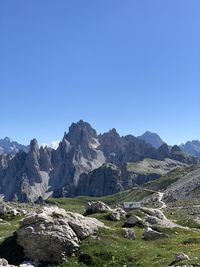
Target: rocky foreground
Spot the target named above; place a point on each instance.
(49, 234)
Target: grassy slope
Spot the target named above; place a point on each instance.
(111, 248)
(114, 250)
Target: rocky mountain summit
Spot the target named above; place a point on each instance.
(7, 146)
(152, 138)
(84, 163)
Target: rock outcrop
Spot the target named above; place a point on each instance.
(181, 256)
(118, 214)
(134, 220)
(102, 181)
(51, 234)
(150, 234)
(96, 207)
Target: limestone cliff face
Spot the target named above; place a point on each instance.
(24, 178)
(77, 153)
(102, 181)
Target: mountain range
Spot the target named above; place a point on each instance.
(84, 163)
(7, 146)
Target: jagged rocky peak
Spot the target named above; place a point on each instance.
(7, 139)
(111, 144)
(45, 159)
(34, 145)
(32, 162)
(81, 132)
(83, 138)
(152, 139)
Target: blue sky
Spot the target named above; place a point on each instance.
(133, 65)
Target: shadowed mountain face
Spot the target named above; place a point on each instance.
(84, 163)
(152, 139)
(8, 146)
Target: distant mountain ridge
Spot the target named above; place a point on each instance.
(152, 138)
(192, 148)
(7, 146)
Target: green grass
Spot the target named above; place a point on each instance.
(112, 249)
(166, 180)
(77, 204)
(181, 217)
(8, 246)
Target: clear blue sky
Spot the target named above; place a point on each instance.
(133, 65)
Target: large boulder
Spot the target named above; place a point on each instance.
(3, 262)
(154, 212)
(96, 207)
(150, 234)
(134, 220)
(51, 234)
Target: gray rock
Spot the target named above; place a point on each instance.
(117, 214)
(134, 220)
(51, 234)
(96, 207)
(102, 181)
(150, 234)
(3, 262)
(2, 208)
(154, 212)
(7, 146)
(152, 220)
(129, 234)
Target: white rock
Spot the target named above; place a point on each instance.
(51, 234)
(154, 212)
(3, 262)
(181, 256)
(97, 207)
